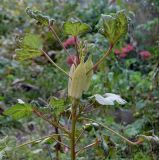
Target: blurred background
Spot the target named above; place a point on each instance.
(132, 70)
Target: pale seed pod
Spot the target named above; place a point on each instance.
(72, 69)
(78, 81)
(88, 65)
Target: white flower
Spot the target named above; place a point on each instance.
(20, 101)
(109, 99)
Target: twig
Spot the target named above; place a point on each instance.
(55, 124)
(57, 37)
(61, 143)
(79, 136)
(76, 45)
(111, 130)
(88, 146)
(100, 61)
(39, 139)
(52, 62)
(60, 42)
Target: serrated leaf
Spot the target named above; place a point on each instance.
(108, 27)
(122, 24)
(75, 28)
(113, 27)
(19, 111)
(24, 54)
(32, 41)
(42, 19)
(57, 105)
(30, 47)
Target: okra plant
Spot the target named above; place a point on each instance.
(112, 27)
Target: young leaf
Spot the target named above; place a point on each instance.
(19, 111)
(108, 27)
(122, 24)
(32, 41)
(30, 47)
(113, 27)
(75, 28)
(42, 19)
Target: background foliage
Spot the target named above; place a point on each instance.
(130, 74)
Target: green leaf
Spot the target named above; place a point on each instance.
(75, 28)
(30, 47)
(113, 27)
(23, 54)
(19, 111)
(57, 105)
(32, 41)
(134, 128)
(108, 27)
(122, 24)
(37, 15)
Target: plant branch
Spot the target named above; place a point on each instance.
(61, 142)
(39, 139)
(101, 60)
(58, 39)
(82, 132)
(55, 124)
(88, 146)
(111, 130)
(52, 62)
(76, 45)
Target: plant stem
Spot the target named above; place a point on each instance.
(52, 62)
(60, 42)
(101, 60)
(73, 130)
(58, 146)
(58, 39)
(111, 130)
(76, 45)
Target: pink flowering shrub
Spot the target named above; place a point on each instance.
(70, 42)
(123, 52)
(145, 54)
